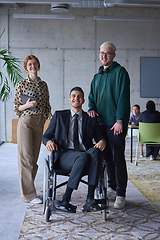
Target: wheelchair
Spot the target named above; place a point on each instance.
(50, 187)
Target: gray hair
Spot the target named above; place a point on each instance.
(109, 44)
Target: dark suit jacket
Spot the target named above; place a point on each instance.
(59, 127)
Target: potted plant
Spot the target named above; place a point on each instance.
(14, 74)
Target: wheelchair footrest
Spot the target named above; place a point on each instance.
(102, 202)
(64, 207)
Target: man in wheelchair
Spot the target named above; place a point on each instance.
(70, 135)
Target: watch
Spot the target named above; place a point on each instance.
(119, 122)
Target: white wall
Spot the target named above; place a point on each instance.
(68, 49)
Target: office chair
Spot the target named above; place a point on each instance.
(149, 133)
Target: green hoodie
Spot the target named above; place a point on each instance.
(110, 95)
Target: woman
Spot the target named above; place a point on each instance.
(32, 113)
(132, 119)
(134, 114)
(150, 116)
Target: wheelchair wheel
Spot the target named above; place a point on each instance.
(47, 213)
(105, 193)
(45, 183)
(105, 178)
(101, 190)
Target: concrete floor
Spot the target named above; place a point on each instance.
(12, 209)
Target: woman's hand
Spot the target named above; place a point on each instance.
(28, 104)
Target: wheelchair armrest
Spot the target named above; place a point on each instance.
(50, 162)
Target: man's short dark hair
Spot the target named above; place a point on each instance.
(79, 89)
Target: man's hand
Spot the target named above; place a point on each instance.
(118, 128)
(92, 113)
(101, 145)
(51, 146)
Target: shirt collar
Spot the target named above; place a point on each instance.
(79, 113)
(136, 115)
(29, 80)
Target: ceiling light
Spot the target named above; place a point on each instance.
(109, 5)
(60, 7)
(123, 18)
(42, 16)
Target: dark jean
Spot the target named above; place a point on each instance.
(152, 150)
(114, 155)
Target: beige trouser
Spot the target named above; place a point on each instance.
(29, 136)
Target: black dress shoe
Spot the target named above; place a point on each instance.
(66, 206)
(91, 206)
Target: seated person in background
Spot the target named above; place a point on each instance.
(150, 116)
(135, 114)
(132, 119)
(75, 151)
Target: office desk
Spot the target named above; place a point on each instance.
(132, 126)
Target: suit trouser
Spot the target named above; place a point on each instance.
(115, 160)
(80, 162)
(29, 135)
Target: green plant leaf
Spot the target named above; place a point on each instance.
(2, 33)
(14, 74)
(5, 90)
